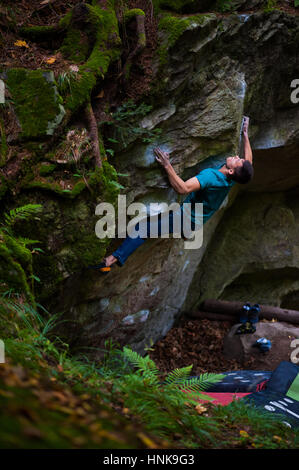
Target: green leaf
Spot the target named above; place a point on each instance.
(21, 213)
(115, 183)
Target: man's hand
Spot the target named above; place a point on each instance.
(245, 126)
(162, 157)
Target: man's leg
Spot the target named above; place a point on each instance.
(130, 244)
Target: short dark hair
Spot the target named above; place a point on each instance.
(243, 174)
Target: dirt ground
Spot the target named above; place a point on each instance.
(200, 342)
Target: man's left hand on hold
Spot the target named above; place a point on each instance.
(245, 127)
(162, 157)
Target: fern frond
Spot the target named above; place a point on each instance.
(178, 376)
(201, 383)
(26, 241)
(21, 213)
(144, 364)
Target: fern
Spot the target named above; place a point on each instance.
(167, 407)
(21, 213)
(201, 383)
(27, 241)
(178, 376)
(144, 364)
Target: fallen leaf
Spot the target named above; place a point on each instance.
(200, 409)
(20, 43)
(244, 434)
(51, 60)
(146, 440)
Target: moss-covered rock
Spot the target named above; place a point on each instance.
(36, 101)
(92, 38)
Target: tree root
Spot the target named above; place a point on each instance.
(141, 38)
(94, 134)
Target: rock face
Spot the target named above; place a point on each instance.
(280, 334)
(210, 70)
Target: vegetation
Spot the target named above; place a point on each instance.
(16, 258)
(52, 397)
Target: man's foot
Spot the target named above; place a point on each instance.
(105, 266)
(110, 260)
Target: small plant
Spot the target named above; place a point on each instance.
(167, 406)
(270, 6)
(16, 263)
(64, 82)
(125, 122)
(225, 5)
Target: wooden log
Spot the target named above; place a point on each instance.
(234, 308)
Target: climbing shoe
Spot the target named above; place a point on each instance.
(263, 344)
(246, 327)
(101, 267)
(254, 312)
(244, 313)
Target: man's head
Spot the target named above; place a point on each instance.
(239, 169)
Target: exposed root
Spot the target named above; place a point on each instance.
(141, 40)
(94, 134)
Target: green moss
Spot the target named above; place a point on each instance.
(174, 27)
(103, 35)
(38, 32)
(15, 265)
(46, 168)
(129, 14)
(75, 45)
(56, 188)
(36, 101)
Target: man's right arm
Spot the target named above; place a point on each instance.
(247, 146)
(179, 185)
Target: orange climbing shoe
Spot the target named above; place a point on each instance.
(101, 267)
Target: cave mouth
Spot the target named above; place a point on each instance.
(266, 286)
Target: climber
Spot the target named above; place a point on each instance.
(209, 187)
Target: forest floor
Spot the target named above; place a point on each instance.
(197, 342)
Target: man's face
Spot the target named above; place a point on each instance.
(234, 162)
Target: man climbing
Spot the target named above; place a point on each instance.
(209, 187)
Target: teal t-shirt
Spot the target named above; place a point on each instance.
(214, 187)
